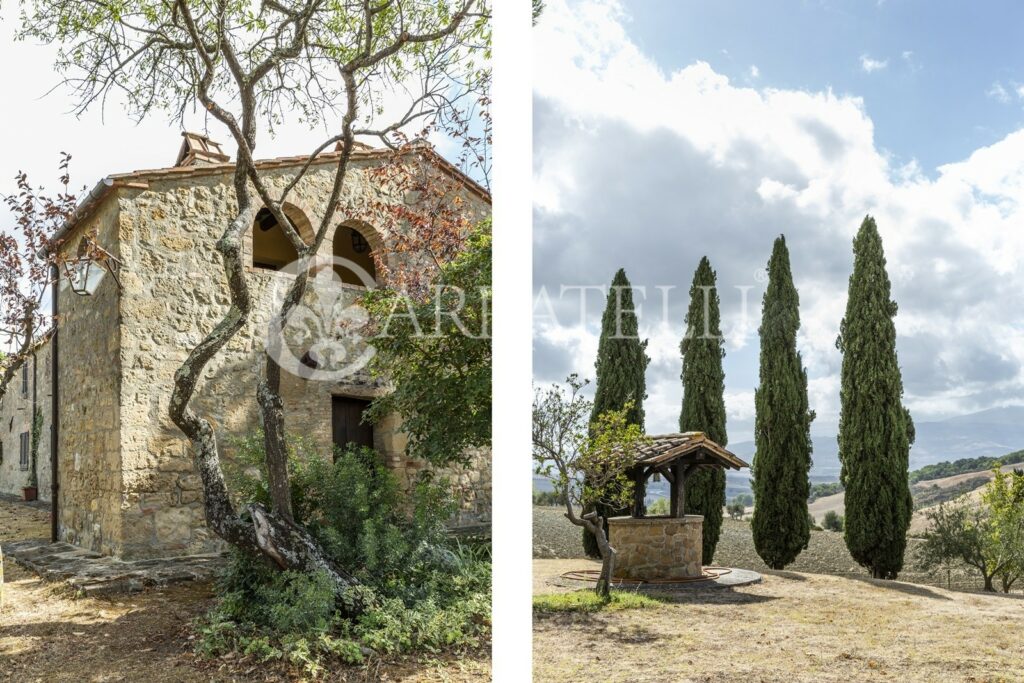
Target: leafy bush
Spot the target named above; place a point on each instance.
(832, 521)
(658, 507)
(427, 591)
(736, 510)
(744, 499)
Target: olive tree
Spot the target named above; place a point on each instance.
(586, 461)
(1004, 497)
(248, 66)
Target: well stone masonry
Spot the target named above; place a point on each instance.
(657, 548)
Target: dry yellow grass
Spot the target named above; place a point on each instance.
(791, 627)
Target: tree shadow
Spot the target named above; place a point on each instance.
(145, 640)
(633, 634)
(908, 588)
(707, 596)
(789, 576)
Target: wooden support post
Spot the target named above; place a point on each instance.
(675, 486)
(682, 474)
(639, 492)
(681, 485)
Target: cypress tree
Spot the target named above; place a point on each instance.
(704, 400)
(620, 366)
(782, 423)
(875, 430)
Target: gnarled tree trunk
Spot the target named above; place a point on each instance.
(595, 524)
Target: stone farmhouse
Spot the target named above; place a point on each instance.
(117, 471)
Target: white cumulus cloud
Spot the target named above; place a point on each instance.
(649, 169)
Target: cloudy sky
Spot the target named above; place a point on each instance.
(664, 131)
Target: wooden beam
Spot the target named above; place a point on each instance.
(683, 475)
(674, 504)
(639, 492)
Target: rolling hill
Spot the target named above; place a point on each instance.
(993, 432)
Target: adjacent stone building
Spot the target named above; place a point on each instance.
(28, 395)
(125, 478)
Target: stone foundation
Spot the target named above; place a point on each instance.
(654, 548)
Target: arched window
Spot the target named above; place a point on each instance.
(271, 249)
(352, 245)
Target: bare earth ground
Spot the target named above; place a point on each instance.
(47, 634)
(791, 627)
(824, 620)
(555, 537)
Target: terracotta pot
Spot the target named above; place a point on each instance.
(29, 492)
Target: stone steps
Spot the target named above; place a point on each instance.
(90, 573)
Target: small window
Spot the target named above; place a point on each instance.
(24, 378)
(24, 450)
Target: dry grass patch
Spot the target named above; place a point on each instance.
(791, 627)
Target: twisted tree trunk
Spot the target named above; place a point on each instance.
(595, 524)
(269, 533)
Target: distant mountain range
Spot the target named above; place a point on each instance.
(993, 432)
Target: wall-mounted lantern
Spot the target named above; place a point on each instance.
(86, 271)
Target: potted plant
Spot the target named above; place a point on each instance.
(29, 492)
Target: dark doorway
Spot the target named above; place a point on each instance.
(347, 424)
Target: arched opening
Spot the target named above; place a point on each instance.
(271, 249)
(353, 246)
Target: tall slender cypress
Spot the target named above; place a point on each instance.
(621, 364)
(704, 400)
(875, 430)
(782, 423)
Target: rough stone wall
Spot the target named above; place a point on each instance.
(174, 293)
(90, 388)
(656, 547)
(16, 419)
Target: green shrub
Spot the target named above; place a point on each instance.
(832, 521)
(427, 591)
(744, 499)
(658, 507)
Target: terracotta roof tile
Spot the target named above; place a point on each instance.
(690, 447)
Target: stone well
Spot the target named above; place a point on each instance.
(652, 548)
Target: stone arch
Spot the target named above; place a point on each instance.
(358, 242)
(271, 249)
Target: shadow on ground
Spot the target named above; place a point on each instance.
(908, 588)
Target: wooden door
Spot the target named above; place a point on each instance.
(347, 424)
